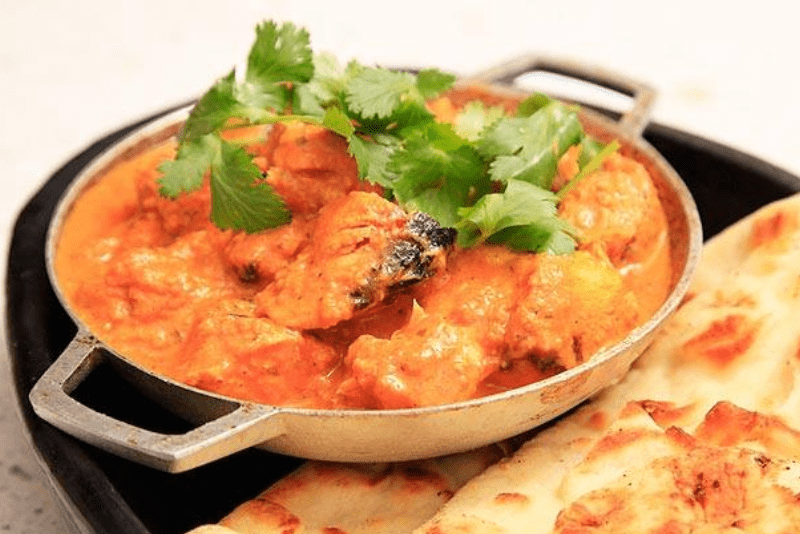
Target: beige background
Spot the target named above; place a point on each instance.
(72, 71)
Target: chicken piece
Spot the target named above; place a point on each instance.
(158, 279)
(567, 309)
(230, 351)
(142, 303)
(312, 167)
(363, 248)
(495, 319)
(618, 208)
(477, 290)
(429, 362)
(257, 257)
(447, 349)
(188, 212)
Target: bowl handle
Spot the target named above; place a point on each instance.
(632, 121)
(238, 429)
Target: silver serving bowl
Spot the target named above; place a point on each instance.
(227, 425)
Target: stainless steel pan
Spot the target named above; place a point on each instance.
(227, 425)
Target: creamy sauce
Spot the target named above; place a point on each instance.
(296, 315)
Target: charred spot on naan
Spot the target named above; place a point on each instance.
(773, 229)
(512, 499)
(261, 513)
(665, 414)
(723, 341)
(728, 425)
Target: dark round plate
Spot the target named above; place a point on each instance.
(109, 494)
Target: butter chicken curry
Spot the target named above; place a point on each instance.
(357, 300)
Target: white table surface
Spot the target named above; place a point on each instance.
(71, 72)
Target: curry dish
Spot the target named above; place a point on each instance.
(355, 303)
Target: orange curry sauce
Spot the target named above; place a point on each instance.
(279, 316)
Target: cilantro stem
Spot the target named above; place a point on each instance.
(266, 120)
(589, 168)
(274, 118)
(244, 140)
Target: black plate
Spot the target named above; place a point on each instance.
(115, 495)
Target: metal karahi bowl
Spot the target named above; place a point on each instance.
(226, 425)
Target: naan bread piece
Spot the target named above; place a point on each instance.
(704, 489)
(524, 493)
(732, 349)
(335, 498)
(738, 473)
(765, 232)
(739, 470)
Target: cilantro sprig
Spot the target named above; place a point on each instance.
(488, 174)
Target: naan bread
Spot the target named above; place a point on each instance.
(720, 384)
(335, 498)
(674, 482)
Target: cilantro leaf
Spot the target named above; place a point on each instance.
(532, 104)
(373, 157)
(255, 101)
(551, 235)
(475, 117)
(325, 87)
(397, 100)
(185, 173)
(436, 159)
(240, 200)
(406, 120)
(523, 214)
(528, 148)
(441, 202)
(376, 92)
(213, 110)
(279, 54)
(432, 82)
(335, 119)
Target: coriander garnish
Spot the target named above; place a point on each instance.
(488, 175)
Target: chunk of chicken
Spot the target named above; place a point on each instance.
(618, 210)
(428, 362)
(477, 290)
(363, 248)
(309, 166)
(257, 257)
(618, 206)
(153, 280)
(500, 314)
(567, 308)
(231, 351)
